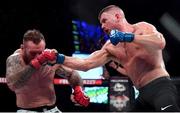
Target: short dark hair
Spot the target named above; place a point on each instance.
(33, 35)
(107, 8)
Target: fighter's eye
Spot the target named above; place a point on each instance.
(104, 20)
(35, 53)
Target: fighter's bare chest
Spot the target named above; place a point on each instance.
(45, 74)
(135, 54)
(132, 49)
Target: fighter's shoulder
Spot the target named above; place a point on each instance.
(18, 51)
(145, 25)
(15, 55)
(107, 43)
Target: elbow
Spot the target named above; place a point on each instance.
(10, 84)
(11, 87)
(162, 42)
(162, 45)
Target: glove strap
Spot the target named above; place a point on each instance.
(128, 37)
(60, 58)
(77, 89)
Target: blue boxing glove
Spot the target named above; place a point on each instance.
(60, 59)
(118, 36)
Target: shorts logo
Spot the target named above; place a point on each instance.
(163, 108)
(119, 87)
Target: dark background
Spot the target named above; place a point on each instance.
(53, 19)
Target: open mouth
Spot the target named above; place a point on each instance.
(107, 31)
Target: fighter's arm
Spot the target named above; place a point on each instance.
(71, 75)
(145, 34)
(96, 59)
(17, 73)
(117, 52)
(77, 84)
(149, 37)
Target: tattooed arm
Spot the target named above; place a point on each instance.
(71, 75)
(76, 82)
(17, 73)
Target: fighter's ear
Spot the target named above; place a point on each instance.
(22, 46)
(117, 16)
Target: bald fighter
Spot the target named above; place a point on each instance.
(138, 48)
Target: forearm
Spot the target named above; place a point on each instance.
(74, 79)
(76, 82)
(121, 70)
(76, 63)
(150, 39)
(96, 59)
(18, 79)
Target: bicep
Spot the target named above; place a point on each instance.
(149, 37)
(115, 52)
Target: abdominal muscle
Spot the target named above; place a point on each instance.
(142, 64)
(38, 91)
(36, 98)
(144, 68)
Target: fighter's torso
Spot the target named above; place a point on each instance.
(39, 89)
(141, 64)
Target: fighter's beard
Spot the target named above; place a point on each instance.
(27, 59)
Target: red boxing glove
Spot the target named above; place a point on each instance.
(80, 97)
(46, 55)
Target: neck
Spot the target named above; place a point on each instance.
(128, 28)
